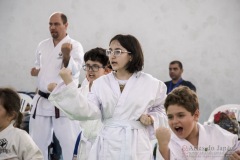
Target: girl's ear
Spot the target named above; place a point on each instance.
(11, 116)
(130, 58)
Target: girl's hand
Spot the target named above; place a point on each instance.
(146, 119)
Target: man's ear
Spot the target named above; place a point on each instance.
(181, 71)
(66, 25)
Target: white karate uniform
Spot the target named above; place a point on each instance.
(122, 136)
(16, 144)
(49, 61)
(214, 143)
(90, 130)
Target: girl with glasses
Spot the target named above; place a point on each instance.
(129, 102)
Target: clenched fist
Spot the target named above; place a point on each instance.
(66, 75)
(163, 135)
(51, 86)
(146, 119)
(34, 71)
(66, 49)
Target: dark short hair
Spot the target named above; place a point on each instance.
(64, 18)
(131, 44)
(177, 62)
(97, 54)
(182, 96)
(10, 101)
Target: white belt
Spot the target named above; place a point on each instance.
(126, 148)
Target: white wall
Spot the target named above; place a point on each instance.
(203, 34)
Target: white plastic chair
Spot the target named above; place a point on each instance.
(230, 107)
(25, 100)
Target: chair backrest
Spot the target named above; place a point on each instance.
(230, 107)
(25, 100)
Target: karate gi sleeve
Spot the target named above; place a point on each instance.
(233, 139)
(74, 104)
(157, 111)
(37, 62)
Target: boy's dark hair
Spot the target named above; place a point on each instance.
(10, 101)
(184, 97)
(131, 44)
(97, 54)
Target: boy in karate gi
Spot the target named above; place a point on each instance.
(96, 65)
(189, 139)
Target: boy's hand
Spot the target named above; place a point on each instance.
(51, 86)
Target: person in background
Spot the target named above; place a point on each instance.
(189, 139)
(15, 143)
(175, 72)
(51, 55)
(129, 101)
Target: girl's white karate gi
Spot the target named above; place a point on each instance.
(16, 144)
(123, 136)
(214, 143)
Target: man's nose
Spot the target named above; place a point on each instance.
(52, 27)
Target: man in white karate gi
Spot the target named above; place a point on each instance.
(51, 55)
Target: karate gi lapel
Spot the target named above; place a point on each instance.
(57, 49)
(122, 96)
(183, 148)
(127, 89)
(205, 150)
(208, 147)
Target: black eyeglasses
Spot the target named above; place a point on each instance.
(115, 52)
(94, 67)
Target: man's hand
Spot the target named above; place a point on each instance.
(34, 71)
(66, 75)
(66, 49)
